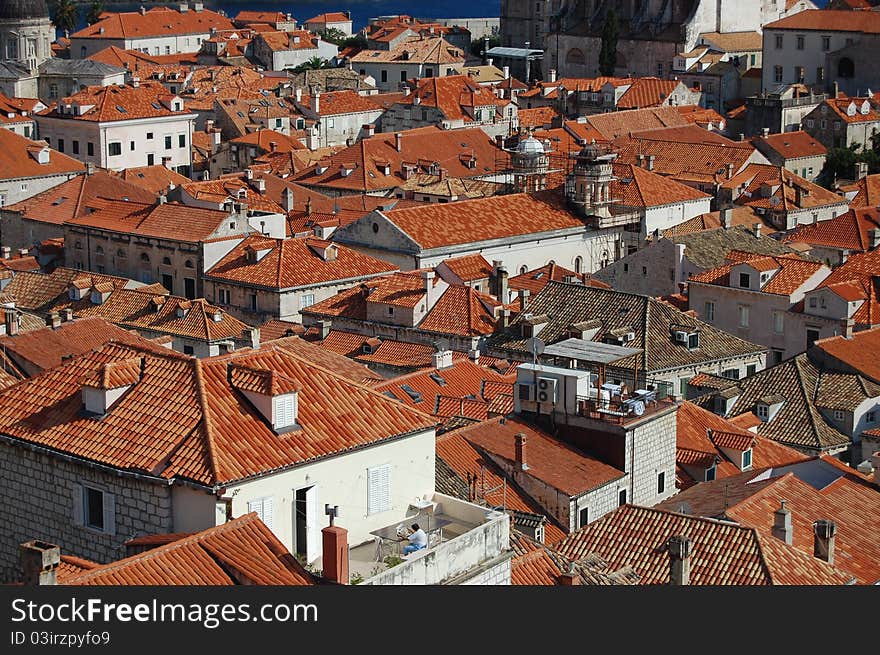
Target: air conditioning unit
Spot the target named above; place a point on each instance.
(681, 336)
(526, 391)
(546, 392)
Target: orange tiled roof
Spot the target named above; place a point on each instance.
(646, 92)
(347, 101)
(336, 362)
(792, 145)
(637, 537)
(450, 149)
(155, 179)
(18, 158)
(537, 117)
(417, 50)
(455, 96)
(634, 186)
(615, 124)
(293, 263)
(284, 41)
(331, 17)
(791, 271)
(158, 21)
(784, 184)
(482, 219)
(461, 311)
(861, 353)
(861, 270)
(853, 109)
(829, 20)
(470, 267)
(867, 192)
(268, 17)
(241, 551)
(850, 231)
(184, 420)
(117, 103)
(538, 278)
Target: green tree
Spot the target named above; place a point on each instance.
(357, 41)
(65, 15)
(312, 64)
(477, 45)
(95, 12)
(608, 51)
(332, 35)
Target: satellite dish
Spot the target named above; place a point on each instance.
(535, 346)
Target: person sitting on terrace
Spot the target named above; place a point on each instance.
(417, 540)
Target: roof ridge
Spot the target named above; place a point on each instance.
(206, 423)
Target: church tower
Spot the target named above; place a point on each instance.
(26, 33)
(588, 187)
(530, 165)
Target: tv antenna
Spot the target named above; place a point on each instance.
(535, 346)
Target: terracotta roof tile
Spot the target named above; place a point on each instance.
(241, 551)
(859, 354)
(861, 269)
(461, 311)
(417, 50)
(155, 179)
(470, 267)
(18, 158)
(638, 537)
(791, 272)
(782, 185)
(116, 103)
(791, 145)
(850, 231)
(165, 221)
(158, 21)
(646, 92)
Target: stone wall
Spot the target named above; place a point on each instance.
(650, 450)
(38, 491)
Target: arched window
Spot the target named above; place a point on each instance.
(188, 263)
(523, 270)
(575, 57)
(99, 250)
(166, 261)
(121, 254)
(578, 264)
(846, 67)
(145, 258)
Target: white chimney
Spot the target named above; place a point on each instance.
(782, 529)
(442, 359)
(316, 101)
(506, 71)
(679, 560)
(552, 75)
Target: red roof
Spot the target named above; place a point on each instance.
(117, 103)
(791, 272)
(293, 263)
(184, 420)
(535, 280)
(791, 145)
(18, 158)
(861, 269)
(849, 231)
(861, 353)
(829, 20)
(469, 268)
(241, 551)
(461, 311)
(647, 92)
(158, 21)
(332, 17)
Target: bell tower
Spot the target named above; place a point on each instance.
(588, 187)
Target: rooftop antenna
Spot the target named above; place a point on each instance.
(536, 347)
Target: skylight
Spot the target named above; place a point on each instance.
(438, 379)
(121, 109)
(412, 393)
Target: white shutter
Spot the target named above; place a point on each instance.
(76, 493)
(263, 508)
(285, 409)
(379, 489)
(109, 513)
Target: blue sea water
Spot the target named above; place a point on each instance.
(361, 10)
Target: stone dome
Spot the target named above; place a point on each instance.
(23, 9)
(530, 146)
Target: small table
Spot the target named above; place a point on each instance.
(428, 522)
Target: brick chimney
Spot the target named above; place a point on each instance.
(53, 320)
(519, 441)
(570, 578)
(782, 529)
(39, 563)
(823, 540)
(335, 553)
(679, 560)
(11, 319)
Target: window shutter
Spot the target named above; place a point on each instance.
(77, 498)
(379, 489)
(263, 508)
(109, 513)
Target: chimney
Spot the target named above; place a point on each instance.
(650, 162)
(570, 578)
(765, 132)
(66, 314)
(298, 94)
(823, 540)
(39, 563)
(729, 171)
(261, 185)
(679, 560)
(504, 319)
(742, 137)
(7, 252)
(135, 82)
(398, 141)
(640, 160)
(335, 553)
(11, 322)
(782, 524)
(836, 89)
(53, 320)
(316, 100)
(474, 355)
(524, 299)
(506, 71)
(727, 218)
(90, 168)
(441, 359)
(519, 441)
(273, 146)
(758, 230)
(500, 286)
(324, 329)
(287, 199)
(370, 129)
(874, 236)
(552, 75)
(798, 195)
(861, 170)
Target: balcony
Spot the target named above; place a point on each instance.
(622, 410)
(471, 539)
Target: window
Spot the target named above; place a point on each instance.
(151, 159)
(149, 136)
(188, 350)
(253, 302)
(778, 322)
(94, 508)
(731, 374)
(694, 341)
(839, 415)
(710, 473)
(145, 258)
(778, 41)
(24, 186)
(745, 280)
(75, 146)
(826, 43)
(753, 60)
(53, 90)
(578, 264)
(167, 142)
(583, 516)
(131, 145)
(181, 140)
(871, 417)
(798, 73)
(683, 386)
(384, 75)
(777, 73)
(661, 482)
(812, 336)
(776, 355)
(391, 311)
(188, 263)
(747, 459)
(709, 310)
(621, 498)
(114, 149)
(743, 315)
(60, 146)
(379, 489)
(799, 42)
(429, 72)
(820, 75)
(331, 123)
(263, 508)
(403, 75)
(189, 288)
(306, 299)
(751, 369)
(224, 296)
(763, 412)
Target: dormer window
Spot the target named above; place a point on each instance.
(763, 412)
(272, 394)
(711, 472)
(745, 280)
(746, 459)
(103, 388)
